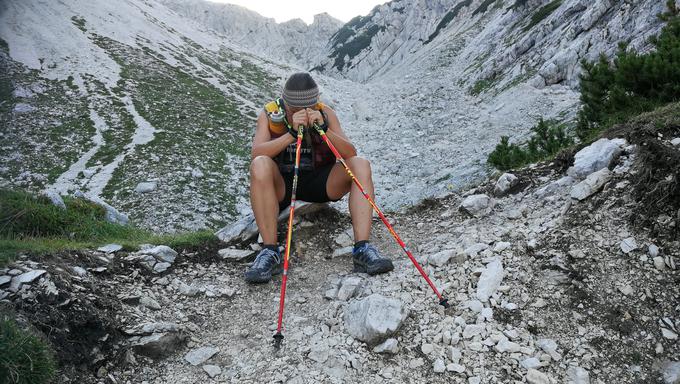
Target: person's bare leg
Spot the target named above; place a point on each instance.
(339, 183)
(267, 188)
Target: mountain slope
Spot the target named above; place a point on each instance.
(292, 42)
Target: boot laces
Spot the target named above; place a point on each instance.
(266, 258)
(369, 254)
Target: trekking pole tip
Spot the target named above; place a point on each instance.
(278, 338)
(444, 303)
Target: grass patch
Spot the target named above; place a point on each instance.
(481, 86)
(79, 22)
(24, 358)
(354, 46)
(30, 223)
(483, 7)
(542, 13)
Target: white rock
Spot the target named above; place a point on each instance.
(490, 280)
(675, 141)
(477, 205)
(475, 306)
(653, 250)
(55, 198)
(530, 363)
(112, 215)
(342, 252)
(149, 303)
(472, 330)
(501, 246)
(504, 345)
(161, 267)
(161, 253)
(537, 377)
(110, 248)
(505, 183)
(5, 280)
(319, 352)
(200, 355)
(474, 380)
(441, 258)
(453, 367)
(235, 254)
(343, 239)
(670, 371)
(595, 157)
(349, 287)
(577, 375)
(374, 318)
(591, 184)
(388, 346)
(145, 187)
(550, 347)
(197, 173)
(474, 249)
(439, 366)
(25, 278)
(427, 348)
(659, 263)
(212, 370)
(628, 245)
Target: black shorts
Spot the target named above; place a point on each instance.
(311, 186)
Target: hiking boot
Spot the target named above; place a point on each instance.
(367, 259)
(267, 263)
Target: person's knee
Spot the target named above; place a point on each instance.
(360, 166)
(261, 168)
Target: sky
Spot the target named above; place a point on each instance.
(284, 10)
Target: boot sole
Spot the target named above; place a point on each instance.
(381, 268)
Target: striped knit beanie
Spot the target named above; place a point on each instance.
(300, 91)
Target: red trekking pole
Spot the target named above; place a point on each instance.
(442, 301)
(278, 337)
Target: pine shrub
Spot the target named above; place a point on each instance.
(632, 83)
(547, 140)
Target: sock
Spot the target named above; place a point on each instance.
(273, 247)
(358, 245)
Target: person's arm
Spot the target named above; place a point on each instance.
(263, 145)
(337, 136)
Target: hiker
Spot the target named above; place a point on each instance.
(321, 178)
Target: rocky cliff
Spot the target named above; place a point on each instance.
(292, 42)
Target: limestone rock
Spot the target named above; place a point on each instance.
(591, 184)
(145, 187)
(200, 355)
(110, 248)
(387, 346)
(159, 345)
(235, 254)
(374, 318)
(504, 183)
(577, 375)
(595, 157)
(112, 215)
(212, 370)
(55, 198)
(490, 280)
(477, 205)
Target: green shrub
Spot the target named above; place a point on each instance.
(450, 15)
(542, 13)
(632, 83)
(547, 140)
(24, 358)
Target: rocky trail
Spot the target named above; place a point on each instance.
(548, 281)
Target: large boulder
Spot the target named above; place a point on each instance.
(596, 156)
(374, 318)
(477, 205)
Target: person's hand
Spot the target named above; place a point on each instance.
(315, 116)
(300, 118)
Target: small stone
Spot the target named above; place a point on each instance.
(374, 318)
(342, 252)
(145, 187)
(161, 267)
(350, 287)
(530, 363)
(197, 174)
(110, 248)
(537, 377)
(474, 380)
(501, 246)
(149, 303)
(388, 346)
(5, 280)
(675, 141)
(159, 345)
(200, 355)
(659, 263)
(504, 345)
(453, 367)
(626, 290)
(670, 371)
(550, 347)
(591, 184)
(475, 306)
(212, 370)
(577, 375)
(439, 366)
(490, 280)
(668, 334)
(628, 245)
(439, 259)
(55, 198)
(505, 183)
(653, 250)
(416, 363)
(319, 352)
(477, 205)
(161, 253)
(427, 348)
(472, 330)
(25, 278)
(343, 239)
(235, 254)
